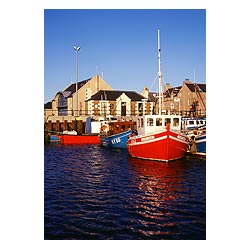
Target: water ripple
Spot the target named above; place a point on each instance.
(94, 193)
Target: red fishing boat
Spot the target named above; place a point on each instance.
(91, 136)
(79, 139)
(158, 141)
(159, 136)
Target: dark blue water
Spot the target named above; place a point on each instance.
(95, 193)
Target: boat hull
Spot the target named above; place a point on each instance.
(165, 146)
(199, 145)
(79, 139)
(54, 138)
(117, 140)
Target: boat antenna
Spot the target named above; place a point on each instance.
(159, 74)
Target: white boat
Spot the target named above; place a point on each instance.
(159, 136)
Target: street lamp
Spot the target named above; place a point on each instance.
(76, 49)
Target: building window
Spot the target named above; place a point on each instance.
(140, 108)
(62, 106)
(104, 107)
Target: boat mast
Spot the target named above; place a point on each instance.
(159, 74)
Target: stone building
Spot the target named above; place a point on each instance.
(95, 98)
(72, 102)
(118, 103)
(188, 99)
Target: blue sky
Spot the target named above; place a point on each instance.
(122, 45)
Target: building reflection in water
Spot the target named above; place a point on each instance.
(159, 188)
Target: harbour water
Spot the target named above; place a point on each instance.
(91, 192)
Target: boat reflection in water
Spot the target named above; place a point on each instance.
(164, 203)
(159, 179)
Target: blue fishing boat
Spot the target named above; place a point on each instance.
(116, 141)
(54, 138)
(115, 134)
(198, 142)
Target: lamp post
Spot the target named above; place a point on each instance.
(76, 49)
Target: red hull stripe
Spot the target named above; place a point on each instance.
(177, 139)
(149, 140)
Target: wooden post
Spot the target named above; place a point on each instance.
(49, 125)
(73, 125)
(64, 125)
(57, 125)
(79, 127)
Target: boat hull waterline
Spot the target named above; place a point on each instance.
(165, 145)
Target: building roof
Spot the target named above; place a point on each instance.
(201, 87)
(48, 105)
(152, 96)
(173, 91)
(112, 95)
(72, 87)
(66, 94)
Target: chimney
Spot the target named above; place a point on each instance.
(145, 92)
(167, 86)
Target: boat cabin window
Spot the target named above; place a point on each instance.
(191, 122)
(176, 122)
(150, 122)
(167, 121)
(197, 122)
(158, 121)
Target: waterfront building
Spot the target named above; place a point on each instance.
(119, 103)
(64, 102)
(95, 98)
(188, 99)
